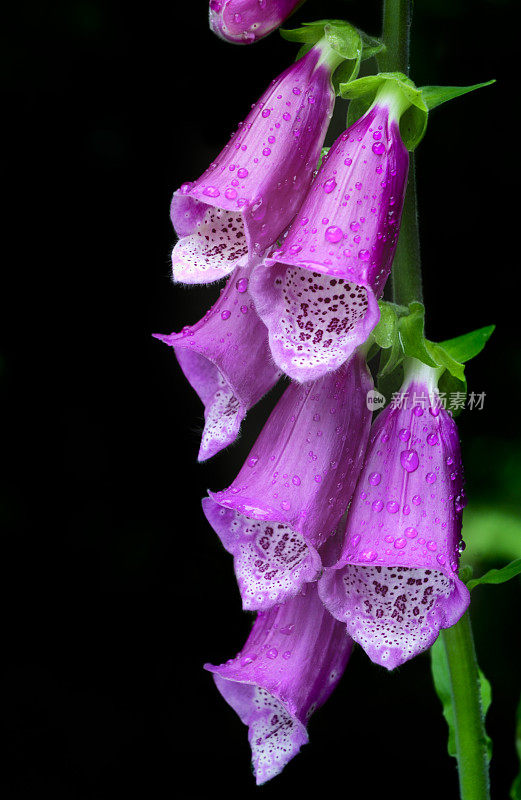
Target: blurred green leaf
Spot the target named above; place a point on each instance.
(493, 533)
(515, 792)
(496, 576)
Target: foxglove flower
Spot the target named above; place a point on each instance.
(295, 485)
(318, 293)
(252, 190)
(292, 660)
(246, 21)
(396, 583)
(226, 358)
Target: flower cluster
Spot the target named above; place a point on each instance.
(306, 252)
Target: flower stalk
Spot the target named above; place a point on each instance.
(471, 747)
(407, 286)
(406, 275)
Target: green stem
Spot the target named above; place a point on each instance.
(406, 276)
(469, 727)
(407, 286)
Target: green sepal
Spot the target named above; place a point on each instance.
(343, 37)
(442, 684)
(386, 336)
(309, 32)
(347, 41)
(448, 386)
(496, 576)
(434, 96)
(362, 92)
(412, 335)
(468, 345)
(413, 122)
(400, 334)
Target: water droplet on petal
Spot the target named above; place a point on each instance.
(409, 460)
(334, 234)
(329, 185)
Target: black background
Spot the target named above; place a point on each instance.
(115, 590)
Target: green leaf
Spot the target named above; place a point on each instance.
(442, 684)
(495, 533)
(496, 576)
(463, 348)
(515, 792)
(436, 95)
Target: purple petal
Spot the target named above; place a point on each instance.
(294, 486)
(395, 584)
(255, 186)
(226, 358)
(292, 660)
(314, 321)
(344, 235)
(247, 21)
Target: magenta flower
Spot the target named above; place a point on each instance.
(295, 485)
(396, 582)
(318, 293)
(254, 187)
(292, 660)
(226, 358)
(247, 21)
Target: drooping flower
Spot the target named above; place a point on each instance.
(294, 486)
(396, 582)
(226, 358)
(247, 21)
(292, 660)
(254, 187)
(318, 292)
